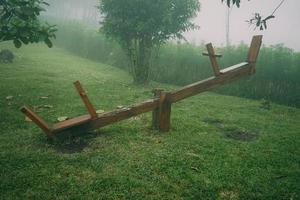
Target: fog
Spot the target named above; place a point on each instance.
(285, 28)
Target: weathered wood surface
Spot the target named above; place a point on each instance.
(227, 76)
(254, 48)
(216, 55)
(38, 121)
(213, 59)
(85, 100)
(155, 113)
(165, 105)
(122, 114)
(61, 126)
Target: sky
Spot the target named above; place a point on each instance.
(285, 28)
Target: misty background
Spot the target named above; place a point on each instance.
(285, 28)
(181, 63)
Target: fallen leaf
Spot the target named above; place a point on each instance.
(9, 98)
(195, 168)
(41, 107)
(100, 111)
(48, 106)
(61, 119)
(27, 119)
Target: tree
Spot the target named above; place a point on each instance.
(141, 25)
(19, 22)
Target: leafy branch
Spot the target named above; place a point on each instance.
(257, 20)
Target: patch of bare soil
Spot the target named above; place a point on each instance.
(241, 135)
(215, 122)
(72, 147)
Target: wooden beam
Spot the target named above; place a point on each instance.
(228, 75)
(213, 59)
(254, 49)
(61, 126)
(86, 100)
(37, 120)
(216, 55)
(109, 117)
(165, 105)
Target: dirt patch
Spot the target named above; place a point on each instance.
(241, 135)
(215, 122)
(72, 147)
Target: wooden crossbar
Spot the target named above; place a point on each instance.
(213, 59)
(37, 120)
(162, 102)
(86, 100)
(216, 55)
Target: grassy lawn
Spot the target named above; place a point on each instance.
(220, 147)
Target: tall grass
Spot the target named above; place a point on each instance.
(89, 43)
(278, 68)
(277, 78)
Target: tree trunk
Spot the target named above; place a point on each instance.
(140, 61)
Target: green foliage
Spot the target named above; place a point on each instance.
(233, 2)
(156, 21)
(19, 22)
(140, 25)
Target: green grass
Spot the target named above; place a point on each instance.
(220, 147)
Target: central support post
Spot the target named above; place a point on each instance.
(161, 116)
(165, 111)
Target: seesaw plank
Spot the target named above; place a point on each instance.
(228, 75)
(71, 123)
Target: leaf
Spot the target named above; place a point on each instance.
(100, 112)
(269, 17)
(265, 24)
(27, 119)
(9, 98)
(45, 97)
(61, 119)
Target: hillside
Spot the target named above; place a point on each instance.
(220, 147)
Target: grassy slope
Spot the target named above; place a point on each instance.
(128, 160)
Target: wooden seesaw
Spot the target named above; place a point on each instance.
(160, 105)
